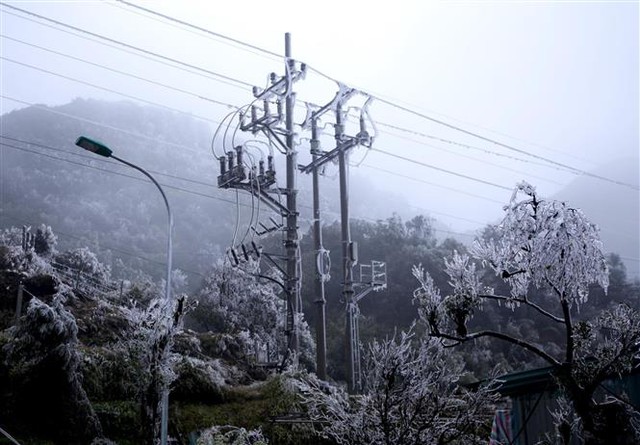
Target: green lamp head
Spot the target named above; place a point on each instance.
(93, 146)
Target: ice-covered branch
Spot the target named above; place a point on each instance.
(526, 301)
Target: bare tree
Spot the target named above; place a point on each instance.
(549, 246)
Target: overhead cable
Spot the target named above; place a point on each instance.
(103, 125)
(144, 79)
(443, 170)
(125, 50)
(127, 45)
(93, 85)
(203, 30)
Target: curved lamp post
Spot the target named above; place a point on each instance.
(102, 150)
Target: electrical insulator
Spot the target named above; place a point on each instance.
(273, 77)
(239, 151)
(235, 256)
(257, 250)
(267, 113)
(315, 145)
(245, 254)
(353, 252)
(223, 165)
(254, 113)
(230, 159)
(261, 167)
(270, 163)
(279, 105)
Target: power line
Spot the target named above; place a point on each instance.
(391, 98)
(117, 173)
(502, 167)
(509, 147)
(134, 53)
(103, 125)
(108, 246)
(424, 164)
(168, 185)
(572, 169)
(380, 99)
(179, 146)
(459, 144)
(129, 96)
(129, 46)
(479, 136)
(144, 79)
(105, 160)
(431, 183)
(205, 183)
(271, 53)
(208, 184)
(244, 45)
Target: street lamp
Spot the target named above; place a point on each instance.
(102, 150)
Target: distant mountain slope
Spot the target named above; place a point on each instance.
(91, 201)
(615, 208)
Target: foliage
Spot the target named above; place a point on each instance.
(155, 329)
(549, 246)
(412, 396)
(84, 264)
(229, 435)
(236, 301)
(398, 243)
(45, 241)
(16, 259)
(44, 361)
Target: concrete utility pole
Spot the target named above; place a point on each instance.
(19, 304)
(262, 183)
(321, 335)
(344, 143)
(292, 242)
(349, 257)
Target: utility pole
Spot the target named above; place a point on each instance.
(292, 242)
(262, 183)
(321, 272)
(19, 303)
(279, 127)
(349, 257)
(344, 143)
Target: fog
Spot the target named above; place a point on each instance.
(558, 80)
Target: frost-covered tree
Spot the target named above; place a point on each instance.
(45, 241)
(45, 372)
(149, 348)
(238, 302)
(83, 266)
(230, 435)
(552, 247)
(14, 258)
(412, 395)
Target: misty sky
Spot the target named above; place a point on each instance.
(556, 79)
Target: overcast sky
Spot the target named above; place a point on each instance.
(555, 79)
